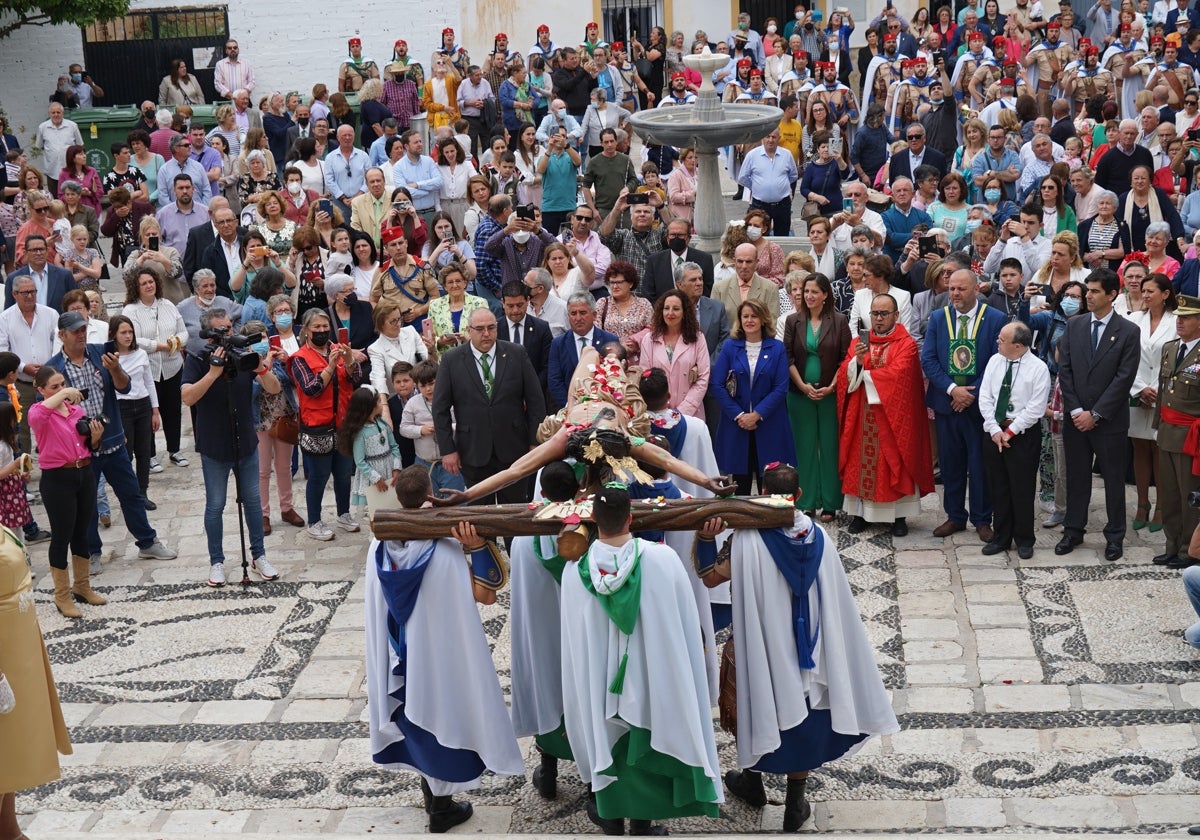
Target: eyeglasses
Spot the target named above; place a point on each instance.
(484, 329)
(183, 145)
(579, 218)
(1048, 187)
(391, 322)
(1191, 102)
(40, 209)
(876, 314)
(26, 292)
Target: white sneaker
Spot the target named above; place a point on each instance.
(216, 574)
(155, 467)
(320, 531)
(347, 522)
(263, 568)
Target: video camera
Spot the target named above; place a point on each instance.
(238, 355)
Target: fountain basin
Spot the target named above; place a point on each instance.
(685, 125)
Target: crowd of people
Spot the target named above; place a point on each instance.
(999, 295)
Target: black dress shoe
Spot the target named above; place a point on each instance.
(995, 547)
(645, 828)
(747, 786)
(1067, 544)
(1164, 559)
(1183, 561)
(1025, 552)
(1113, 552)
(446, 813)
(149, 504)
(900, 528)
(613, 828)
(857, 525)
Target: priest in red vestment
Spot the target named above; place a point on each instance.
(884, 454)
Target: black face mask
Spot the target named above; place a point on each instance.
(148, 113)
(319, 339)
(678, 244)
(303, 122)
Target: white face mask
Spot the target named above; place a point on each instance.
(520, 237)
(753, 232)
(771, 29)
(293, 188)
(799, 15)
(834, 46)
(207, 301)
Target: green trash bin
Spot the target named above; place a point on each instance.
(101, 127)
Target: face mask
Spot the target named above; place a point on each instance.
(834, 46)
(678, 244)
(936, 101)
(753, 232)
(207, 301)
(992, 195)
(283, 321)
(293, 188)
(319, 339)
(260, 347)
(76, 77)
(1069, 306)
(521, 237)
(148, 113)
(743, 26)
(771, 29)
(303, 122)
(973, 224)
(799, 15)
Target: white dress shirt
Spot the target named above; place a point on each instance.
(1030, 391)
(33, 343)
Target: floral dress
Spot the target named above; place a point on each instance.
(279, 241)
(14, 507)
(375, 456)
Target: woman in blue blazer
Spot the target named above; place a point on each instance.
(750, 382)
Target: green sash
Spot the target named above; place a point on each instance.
(963, 356)
(620, 606)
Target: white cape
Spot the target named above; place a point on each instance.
(536, 646)
(452, 690)
(771, 687)
(665, 690)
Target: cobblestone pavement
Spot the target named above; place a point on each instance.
(1054, 694)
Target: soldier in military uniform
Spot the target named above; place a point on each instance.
(356, 69)
(988, 73)
(842, 104)
(1012, 72)
(412, 69)
(908, 94)
(1177, 76)
(1177, 412)
(885, 66)
(976, 56)
(1087, 79)
(1123, 60)
(1048, 58)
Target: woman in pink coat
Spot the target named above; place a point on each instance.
(674, 343)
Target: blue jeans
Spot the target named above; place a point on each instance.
(216, 491)
(117, 469)
(441, 478)
(1191, 585)
(102, 506)
(318, 468)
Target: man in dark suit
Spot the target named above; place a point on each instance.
(52, 281)
(224, 254)
(564, 350)
(519, 327)
(960, 340)
(904, 164)
(1063, 127)
(1098, 359)
(201, 237)
(661, 265)
(497, 403)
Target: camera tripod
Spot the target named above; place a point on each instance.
(239, 504)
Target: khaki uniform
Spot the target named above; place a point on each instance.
(351, 77)
(970, 65)
(993, 91)
(1178, 79)
(986, 78)
(1085, 86)
(1178, 389)
(1050, 63)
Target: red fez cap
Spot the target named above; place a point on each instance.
(744, 62)
(356, 42)
(391, 234)
(755, 73)
(1157, 39)
(1092, 50)
(591, 24)
(1085, 42)
(401, 41)
(501, 35)
(1125, 27)
(618, 46)
(1054, 25)
(999, 41)
(1007, 82)
(448, 31)
(891, 36)
(826, 65)
(976, 36)
(800, 54)
(679, 74)
(543, 28)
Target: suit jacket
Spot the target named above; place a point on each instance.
(935, 354)
(761, 290)
(764, 392)
(214, 259)
(503, 426)
(900, 166)
(713, 324)
(660, 272)
(564, 356)
(1099, 381)
(198, 241)
(364, 218)
(536, 339)
(293, 134)
(60, 282)
(832, 344)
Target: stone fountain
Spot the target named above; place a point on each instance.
(707, 126)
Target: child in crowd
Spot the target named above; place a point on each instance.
(507, 176)
(402, 388)
(366, 438)
(61, 228)
(652, 181)
(417, 424)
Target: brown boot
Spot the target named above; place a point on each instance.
(82, 588)
(62, 593)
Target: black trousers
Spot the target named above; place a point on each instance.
(1012, 479)
(137, 419)
(1111, 453)
(170, 409)
(69, 494)
(475, 132)
(745, 481)
(516, 493)
(780, 213)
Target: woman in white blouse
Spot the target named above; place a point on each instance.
(396, 343)
(162, 334)
(139, 407)
(456, 171)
